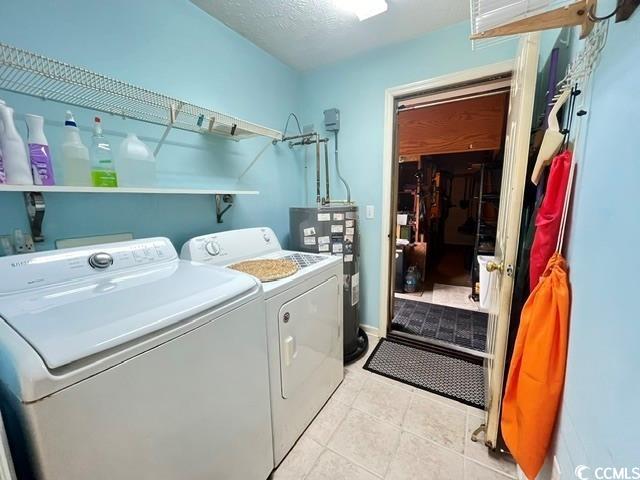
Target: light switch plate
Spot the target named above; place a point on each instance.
(370, 212)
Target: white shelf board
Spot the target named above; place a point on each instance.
(147, 190)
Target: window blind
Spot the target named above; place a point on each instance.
(487, 14)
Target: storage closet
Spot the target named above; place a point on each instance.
(448, 189)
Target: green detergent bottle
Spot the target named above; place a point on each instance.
(103, 169)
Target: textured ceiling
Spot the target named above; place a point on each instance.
(309, 33)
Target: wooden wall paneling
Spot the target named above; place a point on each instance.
(467, 125)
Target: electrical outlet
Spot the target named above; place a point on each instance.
(370, 212)
(22, 242)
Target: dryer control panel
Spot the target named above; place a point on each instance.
(234, 245)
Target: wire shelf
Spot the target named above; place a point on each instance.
(28, 73)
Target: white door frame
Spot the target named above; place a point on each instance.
(390, 96)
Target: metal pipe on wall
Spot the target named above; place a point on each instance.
(295, 137)
(326, 171)
(317, 142)
(307, 141)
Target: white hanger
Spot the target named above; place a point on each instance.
(552, 140)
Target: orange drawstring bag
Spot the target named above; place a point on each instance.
(536, 375)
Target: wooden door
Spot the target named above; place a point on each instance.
(513, 181)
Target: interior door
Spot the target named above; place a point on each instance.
(308, 329)
(523, 86)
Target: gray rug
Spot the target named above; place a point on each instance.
(464, 328)
(444, 375)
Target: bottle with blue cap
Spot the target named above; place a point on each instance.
(76, 166)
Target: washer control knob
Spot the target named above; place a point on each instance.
(267, 237)
(100, 260)
(212, 248)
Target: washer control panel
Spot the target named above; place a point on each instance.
(100, 260)
(22, 272)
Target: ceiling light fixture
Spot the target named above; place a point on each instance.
(364, 8)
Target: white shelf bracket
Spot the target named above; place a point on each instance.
(264, 149)
(173, 116)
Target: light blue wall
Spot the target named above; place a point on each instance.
(599, 423)
(357, 87)
(175, 48)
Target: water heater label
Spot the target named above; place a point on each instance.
(338, 217)
(324, 217)
(309, 231)
(309, 240)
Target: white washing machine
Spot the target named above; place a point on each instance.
(122, 361)
(304, 326)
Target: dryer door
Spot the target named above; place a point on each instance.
(308, 327)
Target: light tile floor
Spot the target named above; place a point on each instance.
(449, 295)
(374, 427)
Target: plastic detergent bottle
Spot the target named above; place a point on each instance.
(103, 171)
(39, 154)
(14, 153)
(136, 163)
(76, 166)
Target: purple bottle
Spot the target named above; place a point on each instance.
(39, 155)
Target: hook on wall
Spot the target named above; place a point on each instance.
(595, 18)
(220, 210)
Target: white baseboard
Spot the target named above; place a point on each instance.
(370, 330)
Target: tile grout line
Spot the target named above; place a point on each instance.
(464, 445)
(501, 473)
(467, 457)
(402, 431)
(315, 462)
(374, 418)
(363, 467)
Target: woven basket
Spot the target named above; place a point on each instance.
(267, 270)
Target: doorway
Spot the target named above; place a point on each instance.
(514, 150)
(447, 181)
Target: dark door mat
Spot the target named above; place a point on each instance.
(464, 328)
(444, 375)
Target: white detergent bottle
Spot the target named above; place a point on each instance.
(103, 170)
(136, 163)
(39, 154)
(14, 152)
(76, 166)
(3, 175)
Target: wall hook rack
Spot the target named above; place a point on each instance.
(220, 210)
(34, 201)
